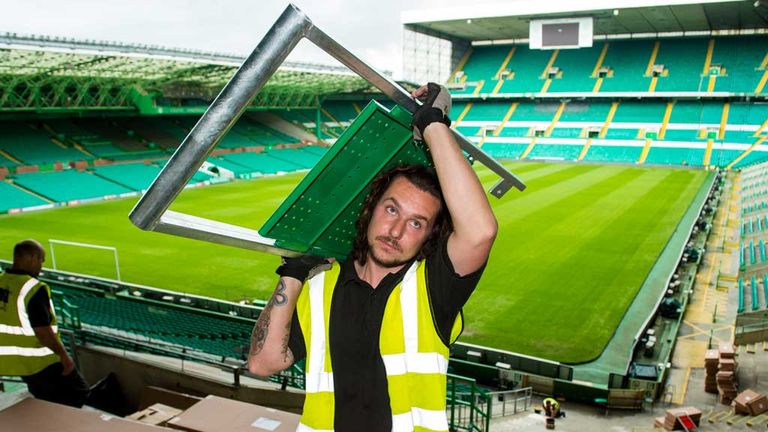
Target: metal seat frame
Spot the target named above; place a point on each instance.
(151, 212)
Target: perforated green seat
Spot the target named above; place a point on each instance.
(319, 216)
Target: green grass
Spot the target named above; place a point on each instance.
(572, 250)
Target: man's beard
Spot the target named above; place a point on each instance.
(383, 262)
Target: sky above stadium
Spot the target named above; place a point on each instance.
(370, 29)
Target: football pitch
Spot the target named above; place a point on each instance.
(571, 253)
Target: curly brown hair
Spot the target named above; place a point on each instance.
(423, 178)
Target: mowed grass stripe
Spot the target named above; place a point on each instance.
(525, 245)
(570, 271)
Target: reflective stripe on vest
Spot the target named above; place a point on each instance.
(416, 380)
(317, 379)
(304, 428)
(21, 353)
(21, 306)
(25, 352)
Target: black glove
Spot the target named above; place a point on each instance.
(436, 106)
(303, 267)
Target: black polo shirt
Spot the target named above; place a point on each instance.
(39, 306)
(357, 310)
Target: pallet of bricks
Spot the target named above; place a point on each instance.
(750, 402)
(686, 418)
(720, 378)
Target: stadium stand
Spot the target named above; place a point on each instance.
(69, 185)
(300, 157)
(12, 197)
(134, 176)
(211, 333)
(24, 143)
(682, 59)
(667, 129)
(263, 163)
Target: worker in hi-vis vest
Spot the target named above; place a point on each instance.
(29, 341)
(376, 328)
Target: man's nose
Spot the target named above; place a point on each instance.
(396, 229)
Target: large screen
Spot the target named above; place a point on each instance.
(561, 33)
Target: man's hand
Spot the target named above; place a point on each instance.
(303, 267)
(68, 364)
(436, 106)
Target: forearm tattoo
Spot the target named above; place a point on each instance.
(279, 298)
(261, 329)
(287, 354)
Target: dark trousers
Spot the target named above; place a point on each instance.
(50, 385)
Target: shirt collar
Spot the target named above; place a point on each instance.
(19, 272)
(349, 273)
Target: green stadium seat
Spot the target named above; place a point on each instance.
(684, 60)
(600, 153)
(33, 145)
(12, 198)
(555, 152)
(69, 185)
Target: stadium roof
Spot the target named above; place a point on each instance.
(510, 20)
(34, 61)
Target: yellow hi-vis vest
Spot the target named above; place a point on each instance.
(21, 353)
(415, 358)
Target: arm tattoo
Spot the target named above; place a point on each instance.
(287, 354)
(279, 298)
(261, 329)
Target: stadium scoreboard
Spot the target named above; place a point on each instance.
(561, 33)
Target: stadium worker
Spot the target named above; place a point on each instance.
(375, 329)
(30, 346)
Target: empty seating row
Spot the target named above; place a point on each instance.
(30, 144)
(691, 64)
(12, 197)
(69, 185)
(222, 336)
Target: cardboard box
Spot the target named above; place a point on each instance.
(152, 395)
(214, 414)
(157, 414)
(41, 416)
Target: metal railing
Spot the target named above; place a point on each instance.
(470, 407)
(510, 402)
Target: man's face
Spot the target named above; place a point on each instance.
(401, 223)
(38, 260)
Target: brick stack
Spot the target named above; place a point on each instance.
(750, 402)
(711, 361)
(671, 419)
(726, 375)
